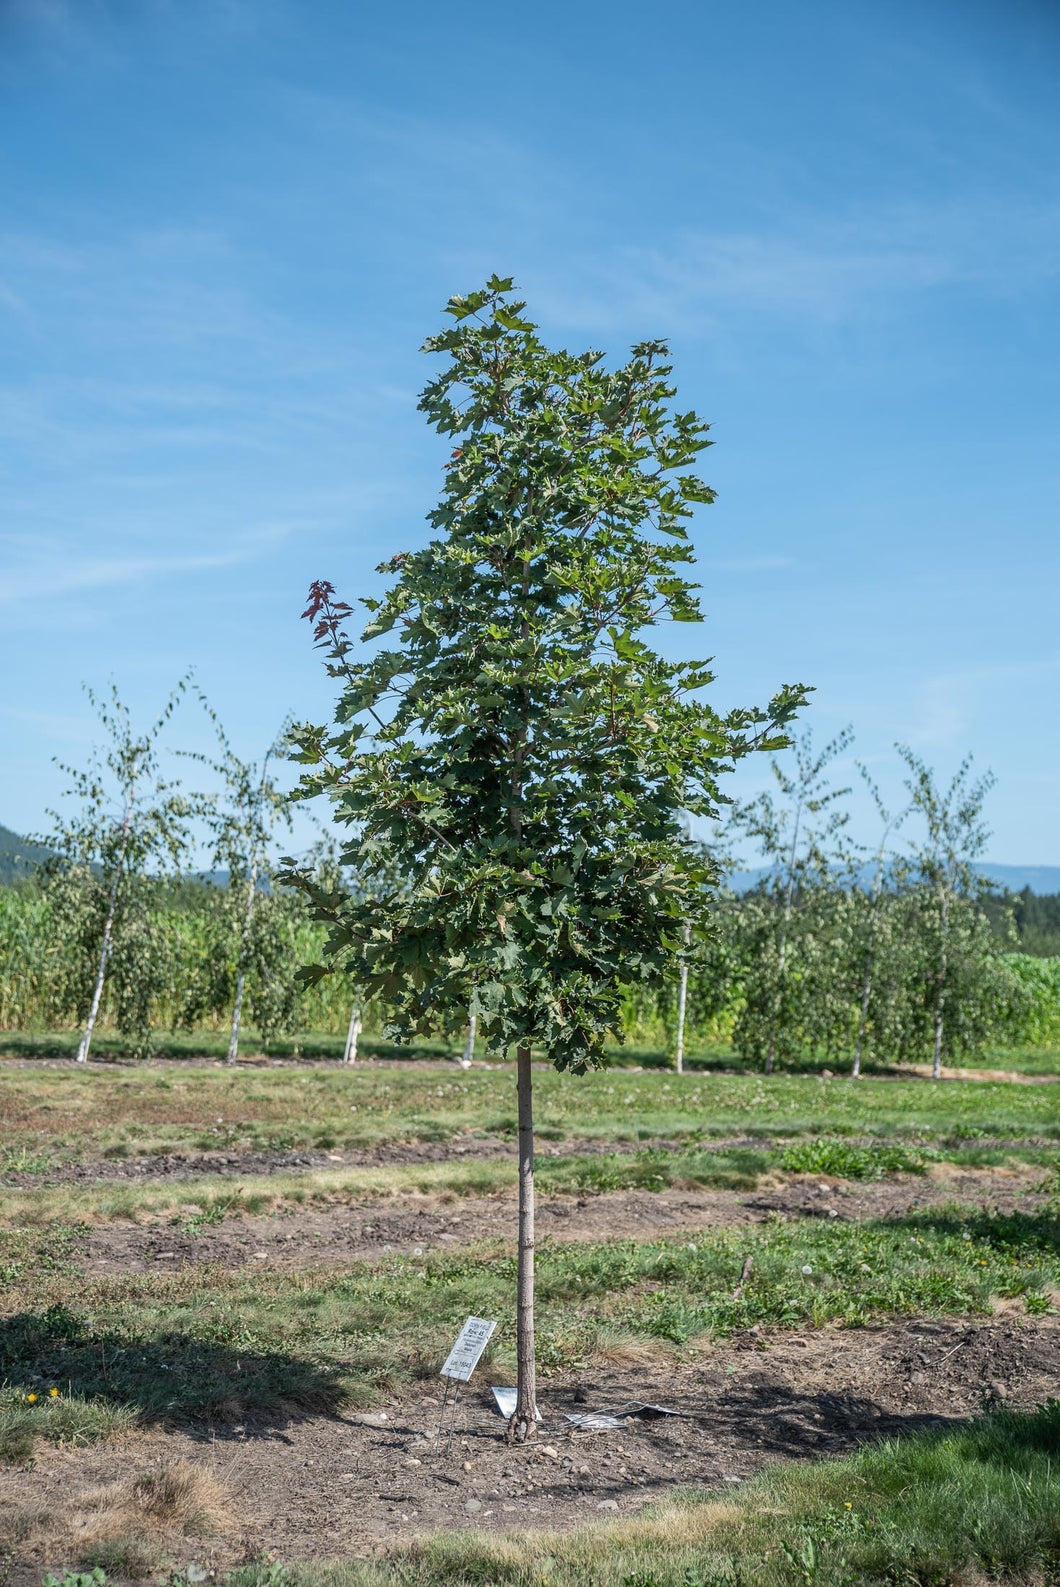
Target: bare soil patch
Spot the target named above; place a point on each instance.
(179, 1167)
(405, 1224)
(319, 1487)
(1017, 1076)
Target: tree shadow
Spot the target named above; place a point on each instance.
(1012, 1233)
(169, 1378)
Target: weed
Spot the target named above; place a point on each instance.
(67, 1419)
(21, 1160)
(130, 1557)
(70, 1578)
(847, 1161)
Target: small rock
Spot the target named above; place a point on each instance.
(553, 1454)
(998, 1390)
(607, 1504)
(467, 1465)
(472, 1506)
(410, 1460)
(368, 1418)
(261, 1256)
(585, 1471)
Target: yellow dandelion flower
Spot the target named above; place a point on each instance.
(53, 1394)
(31, 1398)
(848, 1505)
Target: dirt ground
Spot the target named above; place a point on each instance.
(406, 1224)
(315, 1486)
(177, 1167)
(324, 1487)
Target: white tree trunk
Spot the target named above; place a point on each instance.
(870, 954)
(866, 990)
(241, 975)
(783, 953)
(467, 1056)
(523, 1424)
(940, 999)
(108, 934)
(682, 999)
(97, 994)
(349, 1056)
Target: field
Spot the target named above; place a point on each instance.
(227, 1293)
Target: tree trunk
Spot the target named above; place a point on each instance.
(936, 1063)
(108, 933)
(782, 954)
(682, 999)
(349, 1056)
(865, 993)
(870, 952)
(465, 1061)
(940, 1000)
(241, 975)
(523, 1424)
(97, 994)
(781, 961)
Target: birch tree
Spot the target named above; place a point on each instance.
(127, 819)
(954, 836)
(799, 835)
(889, 822)
(242, 819)
(519, 748)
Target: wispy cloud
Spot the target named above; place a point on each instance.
(44, 577)
(814, 268)
(948, 703)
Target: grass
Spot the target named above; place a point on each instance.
(203, 1201)
(124, 1528)
(216, 1345)
(49, 1115)
(971, 1505)
(108, 1045)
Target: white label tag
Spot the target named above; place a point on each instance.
(463, 1358)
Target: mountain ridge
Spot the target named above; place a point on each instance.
(19, 857)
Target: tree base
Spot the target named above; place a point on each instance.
(521, 1429)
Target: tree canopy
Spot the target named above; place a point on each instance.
(518, 751)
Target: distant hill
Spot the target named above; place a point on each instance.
(1041, 879)
(17, 857)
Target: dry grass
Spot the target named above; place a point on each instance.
(949, 1173)
(612, 1347)
(128, 1527)
(209, 1199)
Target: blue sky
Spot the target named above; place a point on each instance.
(227, 226)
